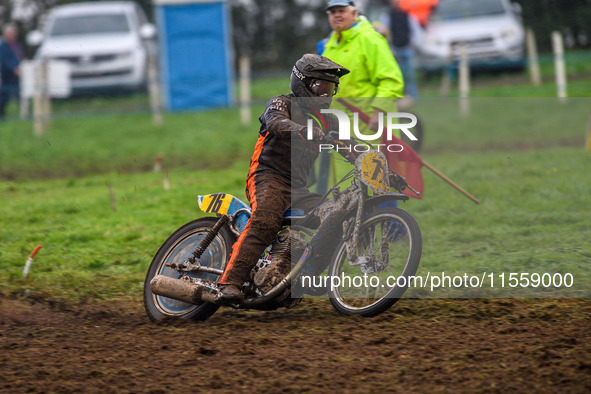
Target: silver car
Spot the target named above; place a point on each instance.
(106, 43)
(492, 31)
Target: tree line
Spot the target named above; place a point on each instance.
(571, 17)
(275, 34)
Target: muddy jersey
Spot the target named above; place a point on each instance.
(281, 150)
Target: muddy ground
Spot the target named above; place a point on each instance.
(48, 345)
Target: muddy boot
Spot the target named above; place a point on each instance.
(230, 294)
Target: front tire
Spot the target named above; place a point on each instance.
(176, 249)
(390, 244)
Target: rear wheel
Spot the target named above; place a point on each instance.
(176, 249)
(389, 247)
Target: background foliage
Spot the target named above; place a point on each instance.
(276, 33)
(522, 157)
(571, 17)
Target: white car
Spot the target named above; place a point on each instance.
(492, 31)
(106, 43)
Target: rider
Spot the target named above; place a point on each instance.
(271, 185)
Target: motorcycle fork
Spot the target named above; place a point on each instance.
(354, 236)
(206, 241)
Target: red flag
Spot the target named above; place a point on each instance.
(406, 162)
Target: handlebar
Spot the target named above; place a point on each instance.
(413, 190)
(332, 137)
(400, 182)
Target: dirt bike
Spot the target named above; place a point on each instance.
(360, 237)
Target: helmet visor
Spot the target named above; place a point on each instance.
(322, 88)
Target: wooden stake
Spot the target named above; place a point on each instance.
(113, 200)
(24, 107)
(46, 98)
(154, 90)
(39, 92)
(532, 55)
(158, 163)
(245, 89)
(464, 80)
(166, 181)
(446, 76)
(559, 65)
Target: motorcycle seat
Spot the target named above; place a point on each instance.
(294, 213)
(294, 216)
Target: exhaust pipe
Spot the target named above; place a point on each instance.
(181, 290)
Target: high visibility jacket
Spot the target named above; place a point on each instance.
(374, 71)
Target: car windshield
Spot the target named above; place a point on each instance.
(89, 24)
(460, 9)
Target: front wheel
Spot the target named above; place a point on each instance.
(177, 249)
(389, 246)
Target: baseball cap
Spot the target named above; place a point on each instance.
(339, 3)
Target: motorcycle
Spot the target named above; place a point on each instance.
(360, 247)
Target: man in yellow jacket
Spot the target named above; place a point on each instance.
(356, 45)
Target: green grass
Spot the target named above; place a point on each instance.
(503, 123)
(533, 218)
(523, 158)
(131, 143)
(575, 88)
(88, 248)
(124, 143)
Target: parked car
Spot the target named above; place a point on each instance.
(106, 43)
(492, 31)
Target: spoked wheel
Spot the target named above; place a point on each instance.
(176, 249)
(389, 246)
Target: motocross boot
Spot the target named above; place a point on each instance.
(230, 294)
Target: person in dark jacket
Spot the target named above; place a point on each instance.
(279, 167)
(10, 59)
(405, 35)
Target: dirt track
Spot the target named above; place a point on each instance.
(417, 346)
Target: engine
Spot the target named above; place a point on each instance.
(286, 250)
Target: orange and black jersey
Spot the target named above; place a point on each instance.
(281, 150)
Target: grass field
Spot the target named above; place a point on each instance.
(86, 191)
(123, 143)
(524, 158)
(532, 218)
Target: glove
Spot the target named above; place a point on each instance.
(318, 135)
(398, 182)
(333, 135)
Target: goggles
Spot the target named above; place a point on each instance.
(322, 88)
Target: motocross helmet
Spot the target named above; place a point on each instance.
(316, 76)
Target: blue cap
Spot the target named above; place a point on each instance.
(339, 3)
